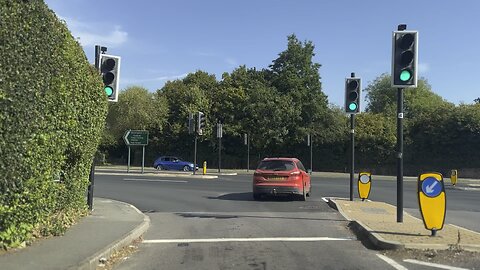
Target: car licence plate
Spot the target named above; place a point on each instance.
(276, 178)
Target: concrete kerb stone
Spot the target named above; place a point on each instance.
(92, 262)
(363, 231)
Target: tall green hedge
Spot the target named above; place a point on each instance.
(52, 112)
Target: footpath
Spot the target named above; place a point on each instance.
(376, 222)
(111, 226)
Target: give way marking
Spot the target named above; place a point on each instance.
(263, 239)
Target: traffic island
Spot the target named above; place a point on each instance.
(376, 222)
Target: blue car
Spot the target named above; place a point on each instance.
(172, 163)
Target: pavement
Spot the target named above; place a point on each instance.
(110, 226)
(376, 222)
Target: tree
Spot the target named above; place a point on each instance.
(136, 109)
(294, 74)
(381, 97)
(183, 97)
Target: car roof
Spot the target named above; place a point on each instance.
(280, 158)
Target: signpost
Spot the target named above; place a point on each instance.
(136, 138)
(364, 185)
(432, 200)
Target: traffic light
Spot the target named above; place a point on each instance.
(110, 69)
(404, 58)
(352, 95)
(200, 123)
(191, 123)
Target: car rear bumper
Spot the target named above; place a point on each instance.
(274, 190)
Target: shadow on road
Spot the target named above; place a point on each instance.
(247, 196)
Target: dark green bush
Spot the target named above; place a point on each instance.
(52, 112)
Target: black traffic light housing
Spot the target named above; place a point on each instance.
(110, 69)
(191, 123)
(404, 59)
(200, 123)
(352, 95)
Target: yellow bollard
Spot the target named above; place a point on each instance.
(204, 167)
(454, 177)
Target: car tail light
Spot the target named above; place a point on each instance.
(295, 173)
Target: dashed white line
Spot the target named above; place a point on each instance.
(436, 265)
(264, 239)
(325, 199)
(391, 262)
(154, 180)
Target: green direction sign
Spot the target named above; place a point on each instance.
(136, 137)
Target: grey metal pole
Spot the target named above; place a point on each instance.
(352, 153)
(248, 152)
(219, 153)
(128, 165)
(311, 153)
(400, 155)
(143, 158)
(195, 156)
(91, 179)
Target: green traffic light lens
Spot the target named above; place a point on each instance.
(405, 75)
(352, 106)
(108, 91)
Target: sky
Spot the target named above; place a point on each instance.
(165, 40)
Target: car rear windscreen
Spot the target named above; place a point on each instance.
(276, 165)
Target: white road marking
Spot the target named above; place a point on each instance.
(155, 180)
(436, 265)
(264, 239)
(393, 263)
(325, 199)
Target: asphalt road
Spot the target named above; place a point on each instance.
(215, 224)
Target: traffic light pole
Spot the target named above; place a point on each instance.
(91, 177)
(219, 153)
(195, 155)
(400, 155)
(311, 154)
(248, 152)
(352, 153)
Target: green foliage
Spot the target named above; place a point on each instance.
(52, 112)
(280, 105)
(375, 139)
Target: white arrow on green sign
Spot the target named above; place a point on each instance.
(136, 137)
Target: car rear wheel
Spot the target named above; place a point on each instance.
(186, 168)
(303, 197)
(159, 167)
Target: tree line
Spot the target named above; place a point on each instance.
(279, 106)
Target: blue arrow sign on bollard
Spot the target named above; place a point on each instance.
(431, 187)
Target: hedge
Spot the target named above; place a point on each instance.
(52, 113)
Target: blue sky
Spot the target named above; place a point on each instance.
(165, 40)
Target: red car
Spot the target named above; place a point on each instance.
(281, 176)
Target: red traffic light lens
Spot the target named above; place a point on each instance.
(352, 85)
(108, 64)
